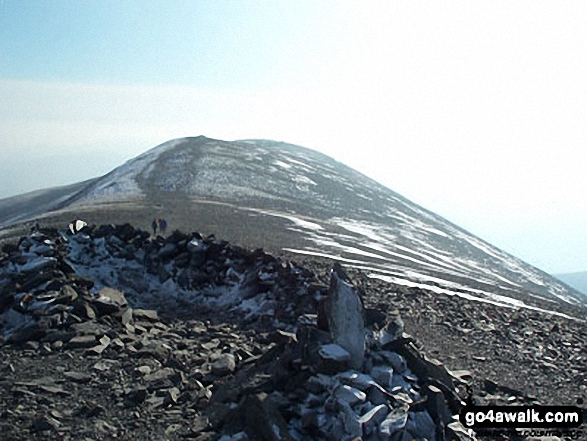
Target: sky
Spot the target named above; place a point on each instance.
(473, 110)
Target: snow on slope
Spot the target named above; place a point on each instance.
(335, 210)
(122, 183)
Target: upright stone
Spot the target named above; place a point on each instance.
(344, 311)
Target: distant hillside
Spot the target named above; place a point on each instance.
(575, 280)
(291, 199)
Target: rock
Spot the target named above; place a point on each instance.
(82, 342)
(144, 370)
(126, 316)
(90, 328)
(424, 367)
(34, 331)
(76, 226)
(97, 350)
(168, 251)
(395, 421)
(106, 365)
(348, 395)
(223, 364)
(356, 379)
(124, 232)
(55, 335)
(262, 419)
(397, 362)
(171, 396)
(383, 375)
(196, 246)
(36, 266)
(83, 309)
(421, 426)
(456, 431)
(163, 378)
(436, 404)
(332, 358)
(66, 295)
(45, 423)
(103, 306)
(344, 311)
(54, 390)
(377, 395)
(135, 397)
(145, 314)
(392, 331)
(109, 301)
(375, 416)
(77, 377)
(351, 423)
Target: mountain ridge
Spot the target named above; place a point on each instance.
(291, 199)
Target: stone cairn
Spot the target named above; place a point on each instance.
(307, 362)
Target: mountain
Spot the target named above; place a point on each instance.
(576, 280)
(292, 200)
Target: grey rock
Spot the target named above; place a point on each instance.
(106, 365)
(223, 364)
(135, 397)
(374, 417)
(54, 390)
(84, 309)
(171, 396)
(332, 358)
(456, 431)
(318, 384)
(109, 301)
(145, 314)
(82, 342)
(262, 419)
(395, 421)
(348, 395)
(77, 377)
(45, 423)
(392, 331)
(55, 335)
(356, 379)
(352, 425)
(383, 375)
(420, 425)
(425, 367)
(96, 350)
(344, 311)
(169, 250)
(436, 404)
(66, 295)
(163, 378)
(103, 306)
(126, 316)
(34, 331)
(90, 328)
(196, 246)
(396, 361)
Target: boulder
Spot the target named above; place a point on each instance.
(344, 311)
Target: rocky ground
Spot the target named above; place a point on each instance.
(112, 334)
(542, 354)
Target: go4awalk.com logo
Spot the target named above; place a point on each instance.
(551, 417)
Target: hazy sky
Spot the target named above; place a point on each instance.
(476, 110)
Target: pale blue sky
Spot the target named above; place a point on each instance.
(475, 110)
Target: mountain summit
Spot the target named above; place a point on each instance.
(290, 199)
